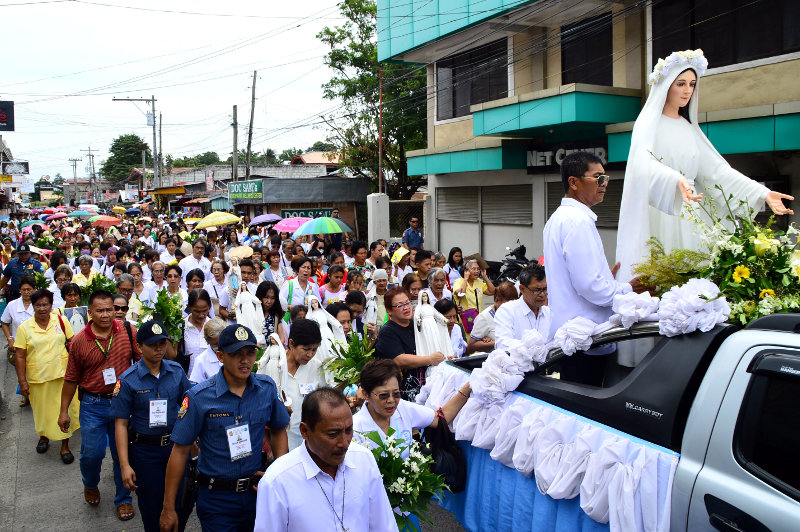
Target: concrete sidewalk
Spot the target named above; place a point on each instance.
(38, 492)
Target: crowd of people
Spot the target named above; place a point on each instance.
(193, 421)
(178, 415)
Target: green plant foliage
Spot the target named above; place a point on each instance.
(41, 281)
(345, 366)
(99, 282)
(169, 311)
(665, 270)
(409, 482)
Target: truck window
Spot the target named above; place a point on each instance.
(767, 435)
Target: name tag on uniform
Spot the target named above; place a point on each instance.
(109, 376)
(239, 441)
(158, 413)
(306, 389)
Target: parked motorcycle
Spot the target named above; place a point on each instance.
(512, 264)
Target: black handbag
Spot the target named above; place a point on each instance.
(448, 458)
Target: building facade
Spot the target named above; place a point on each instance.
(514, 85)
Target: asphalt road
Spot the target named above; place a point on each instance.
(38, 492)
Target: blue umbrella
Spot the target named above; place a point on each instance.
(133, 211)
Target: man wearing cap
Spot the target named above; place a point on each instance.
(227, 415)
(145, 405)
(21, 265)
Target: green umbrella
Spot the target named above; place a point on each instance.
(323, 225)
(94, 218)
(80, 214)
(32, 222)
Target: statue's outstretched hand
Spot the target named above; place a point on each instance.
(686, 191)
(775, 202)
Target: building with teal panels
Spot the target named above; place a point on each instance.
(514, 85)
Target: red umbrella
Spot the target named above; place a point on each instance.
(106, 221)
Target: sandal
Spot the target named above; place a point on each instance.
(42, 446)
(67, 457)
(125, 512)
(92, 496)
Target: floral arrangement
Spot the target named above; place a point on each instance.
(409, 482)
(168, 310)
(685, 59)
(99, 282)
(345, 366)
(46, 242)
(756, 267)
(191, 238)
(41, 280)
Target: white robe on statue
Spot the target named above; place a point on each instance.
(329, 327)
(430, 330)
(663, 150)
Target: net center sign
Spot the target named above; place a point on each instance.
(245, 190)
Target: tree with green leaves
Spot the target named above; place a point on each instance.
(353, 57)
(58, 180)
(322, 146)
(289, 153)
(126, 153)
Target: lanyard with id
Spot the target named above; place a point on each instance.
(239, 440)
(158, 411)
(109, 375)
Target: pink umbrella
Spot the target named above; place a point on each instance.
(56, 216)
(290, 225)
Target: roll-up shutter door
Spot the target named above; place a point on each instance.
(458, 204)
(507, 205)
(607, 211)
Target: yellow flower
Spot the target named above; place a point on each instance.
(762, 243)
(767, 292)
(741, 272)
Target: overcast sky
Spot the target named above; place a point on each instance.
(63, 62)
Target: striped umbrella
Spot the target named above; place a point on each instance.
(323, 225)
(32, 222)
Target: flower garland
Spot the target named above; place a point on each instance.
(685, 59)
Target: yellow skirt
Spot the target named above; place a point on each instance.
(45, 400)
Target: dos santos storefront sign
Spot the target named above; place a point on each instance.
(548, 159)
(245, 190)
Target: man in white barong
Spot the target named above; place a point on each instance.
(579, 281)
(325, 484)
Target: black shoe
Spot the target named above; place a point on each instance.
(67, 458)
(42, 447)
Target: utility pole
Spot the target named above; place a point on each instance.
(144, 162)
(160, 153)
(74, 180)
(380, 129)
(92, 184)
(235, 159)
(152, 101)
(250, 132)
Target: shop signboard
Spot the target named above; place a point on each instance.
(306, 213)
(6, 116)
(15, 167)
(544, 159)
(245, 190)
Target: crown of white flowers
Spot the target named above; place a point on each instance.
(685, 59)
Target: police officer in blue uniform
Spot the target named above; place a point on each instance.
(145, 404)
(227, 415)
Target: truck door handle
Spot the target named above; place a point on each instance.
(724, 524)
(727, 518)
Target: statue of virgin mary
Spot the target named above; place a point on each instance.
(672, 162)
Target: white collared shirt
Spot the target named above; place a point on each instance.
(579, 279)
(195, 341)
(292, 495)
(512, 319)
(190, 263)
(15, 313)
(206, 365)
(406, 418)
(305, 380)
